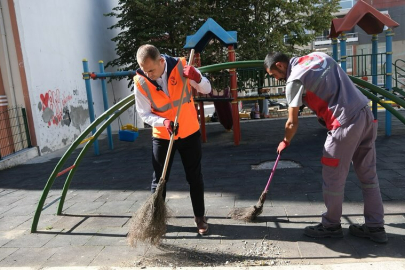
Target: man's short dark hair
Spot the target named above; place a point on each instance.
(272, 58)
(147, 51)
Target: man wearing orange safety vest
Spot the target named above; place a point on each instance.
(158, 85)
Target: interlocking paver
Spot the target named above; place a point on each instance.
(107, 189)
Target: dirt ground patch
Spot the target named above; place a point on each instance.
(253, 253)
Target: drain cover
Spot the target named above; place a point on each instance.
(282, 164)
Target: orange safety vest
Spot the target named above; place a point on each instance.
(166, 106)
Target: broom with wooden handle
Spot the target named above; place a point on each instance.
(148, 224)
(251, 213)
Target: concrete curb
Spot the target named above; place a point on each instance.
(386, 265)
(19, 158)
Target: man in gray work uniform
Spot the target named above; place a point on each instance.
(317, 81)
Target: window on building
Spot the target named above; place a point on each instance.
(347, 4)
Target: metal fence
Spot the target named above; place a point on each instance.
(249, 81)
(14, 133)
(399, 74)
(361, 66)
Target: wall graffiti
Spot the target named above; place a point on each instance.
(54, 108)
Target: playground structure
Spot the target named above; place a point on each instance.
(372, 22)
(104, 120)
(87, 76)
(209, 30)
(388, 93)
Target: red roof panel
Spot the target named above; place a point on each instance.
(362, 14)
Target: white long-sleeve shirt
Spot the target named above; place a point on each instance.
(143, 104)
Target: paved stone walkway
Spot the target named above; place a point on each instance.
(108, 188)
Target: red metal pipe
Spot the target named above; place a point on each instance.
(65, 170)
(197, 63)
(234, 93)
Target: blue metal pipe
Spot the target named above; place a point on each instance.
(343, 51)
(374, 51)
(105, 101)
(335, 49)
(86, 77)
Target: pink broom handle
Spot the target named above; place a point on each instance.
(272, 173)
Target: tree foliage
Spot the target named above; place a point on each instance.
(261, 25)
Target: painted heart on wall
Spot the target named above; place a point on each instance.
(45, 100)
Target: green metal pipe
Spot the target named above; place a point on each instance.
(381, 102)
(378, 90)
(229, 65)
(68, 152)
(399, 91)
(27, 131)
(86, 148)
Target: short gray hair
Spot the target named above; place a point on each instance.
(147, 51)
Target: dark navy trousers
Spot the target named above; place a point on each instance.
(190, 153)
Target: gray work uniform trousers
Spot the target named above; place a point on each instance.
(352, 142)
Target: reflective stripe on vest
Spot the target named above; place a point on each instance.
(168, 106)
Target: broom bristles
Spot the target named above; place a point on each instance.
(249, 213)
(148, 224)
(246, 213)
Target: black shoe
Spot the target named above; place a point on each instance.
(202, 225)
(320, 231)
(376, 234)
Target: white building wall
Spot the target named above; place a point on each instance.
(55, 37)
